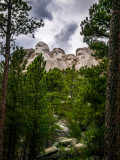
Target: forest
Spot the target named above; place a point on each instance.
(33, 102)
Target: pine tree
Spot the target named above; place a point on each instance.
(55, 84)
(39, 111)
(14, 20)
(112, 122)
(14, 108)
(96, 27)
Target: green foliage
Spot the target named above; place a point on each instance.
(78, 96)
(14, 121)
(94, 115)
(34, 97)
(86, 113)
(96, 32)
(96, 28)
(18, 20)
(39, 112)
(55, 84)
(54, 80)
(30, 125)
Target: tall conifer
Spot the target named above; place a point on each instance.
(14, 20)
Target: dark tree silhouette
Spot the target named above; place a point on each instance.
(112, 122)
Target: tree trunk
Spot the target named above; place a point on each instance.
(32, 154)
(112, 118)
(12, 143)
(5, 80)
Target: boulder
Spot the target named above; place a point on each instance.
(68, 141)
(79, 146)
(67, 149)
(69, 146)
(51, 150)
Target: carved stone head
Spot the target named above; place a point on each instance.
(41, 47)
(70, 60)
(82, 53)
(58, 53)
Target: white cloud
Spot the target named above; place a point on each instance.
(62, 14)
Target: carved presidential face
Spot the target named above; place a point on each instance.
(80, 54)
(41, 47)
(58, 54)
(70, 60)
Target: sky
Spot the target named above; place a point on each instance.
(62, 20)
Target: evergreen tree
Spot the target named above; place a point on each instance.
(96, 27)
(70, 105)
(14, 20)
(55, 84)
(93, 93)
(38, 108)
(15, 109)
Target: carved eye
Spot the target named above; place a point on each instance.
(39, 45)
(79, 54)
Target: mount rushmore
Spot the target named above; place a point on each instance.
(59, 59)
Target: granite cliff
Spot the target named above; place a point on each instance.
(59, 59)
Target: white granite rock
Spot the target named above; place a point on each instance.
(78, 146)
(42, 47)
(51, 150)
(84, 58)
(67, 149)
(58, 58)
(68, 141)
(71, 60)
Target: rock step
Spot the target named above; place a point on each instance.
(67, 145)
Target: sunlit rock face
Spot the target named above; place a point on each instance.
(71, 60)
(42, 47)
(84, 58)
(58, 53)
(58, 58)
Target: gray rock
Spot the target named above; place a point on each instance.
(68, 141)
(59, 59)
(79, 146)
(67, 149)
(62, 138)
(51, 150)
(69, 146)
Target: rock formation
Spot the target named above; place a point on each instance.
(59, 59)
(84, 58)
